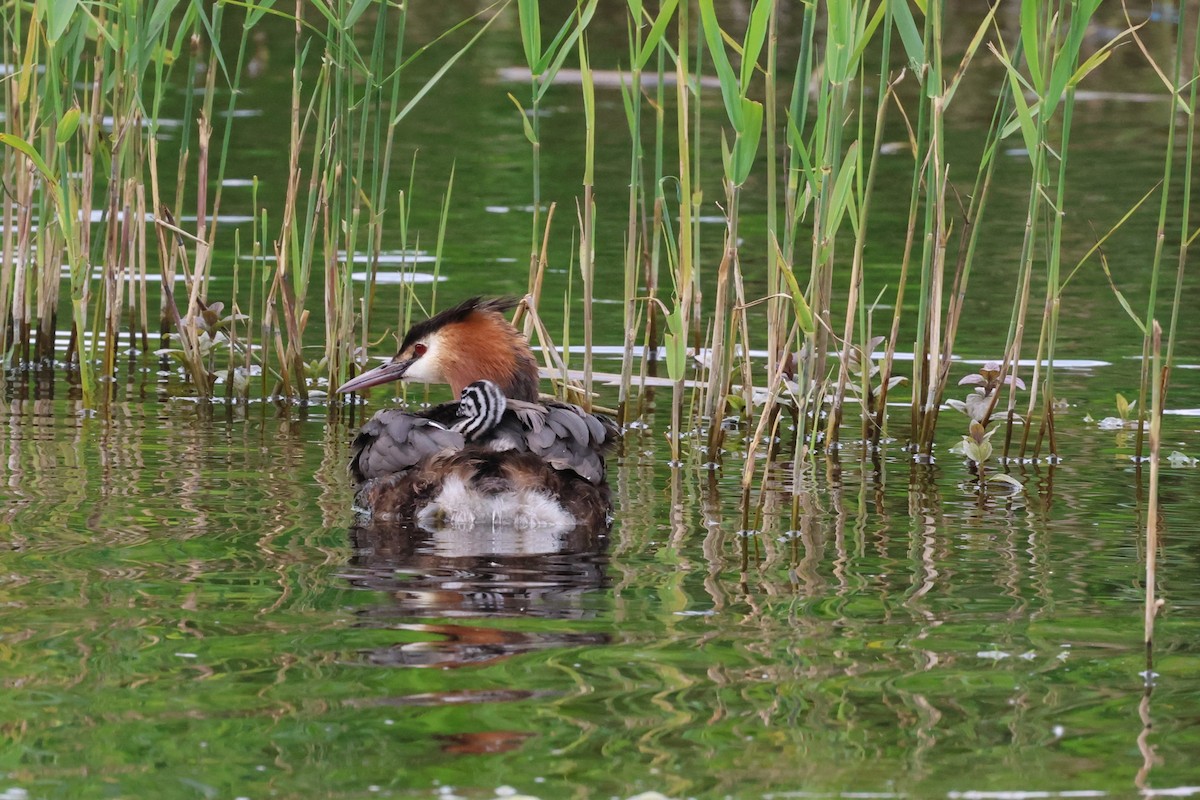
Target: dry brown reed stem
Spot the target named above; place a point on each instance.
(24, 251)
(167, 255)
(765, 419)
(1159, 381)
(718, 371)
(538, 264)
(550, 355)
(143, 276)
(193, 360)
(932, 360)
(8, 235)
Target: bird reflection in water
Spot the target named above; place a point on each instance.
(463, 574)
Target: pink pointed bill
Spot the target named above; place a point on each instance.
(391, 371)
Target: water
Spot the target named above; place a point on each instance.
(187, 608)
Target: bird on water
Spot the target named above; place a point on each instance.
(496, 455)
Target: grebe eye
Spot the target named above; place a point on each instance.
(419, 349)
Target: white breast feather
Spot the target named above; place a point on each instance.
(457, 505)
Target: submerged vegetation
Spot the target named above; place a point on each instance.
(88, 190)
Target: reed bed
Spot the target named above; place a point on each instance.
(86, 84)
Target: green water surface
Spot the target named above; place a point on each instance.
(187, 609)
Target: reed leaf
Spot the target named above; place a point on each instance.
(655, 35)
(441, 71)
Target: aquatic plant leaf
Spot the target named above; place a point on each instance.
(355, 12)
(58, 15)
(910, 36)
(1024, 114)
(529, 134)
(969, 53)
(745, 146)
(1068, 54)
(977, 405)
(1121, 297)
(841, 193)
(1031, 40)
(1178, 459)
(531, 32)
(67, 126)
(726, 156)
(1124, 406)
(22, 146)
(589, 118)
(442, 70)
(542, 68)
(552, 60)
(804, 316)
(730, 87)
(756, 35)
(665, 12)
(676, 343)
(629, 95)
(1006, 479)
(215, 36)
(796, 142)
(254, 12)
(977, 433)
(868, 30)
(840, 42)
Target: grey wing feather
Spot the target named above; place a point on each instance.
(570, 420)
(566, 437)
(595, 428)
(393, 441)
(531, 415)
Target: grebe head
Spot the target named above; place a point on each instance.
(469, 342)
(480, 409)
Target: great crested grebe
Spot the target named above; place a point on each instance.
(496, 455)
